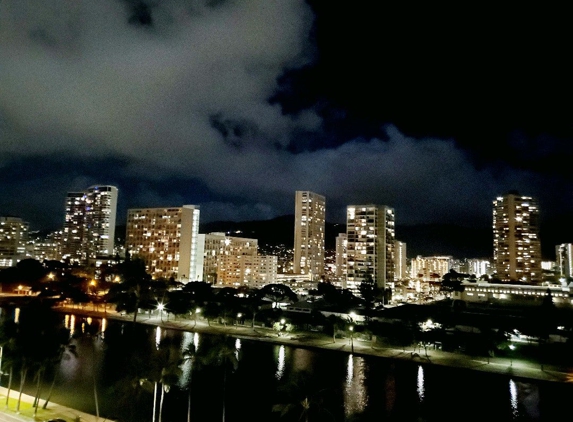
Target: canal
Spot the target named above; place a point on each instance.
(261, 379)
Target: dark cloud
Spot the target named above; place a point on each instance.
(234, 105)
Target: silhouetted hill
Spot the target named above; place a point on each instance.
(424, 239)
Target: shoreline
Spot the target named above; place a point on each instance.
(311, 340)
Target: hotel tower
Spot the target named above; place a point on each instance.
(310, 214)
(166, 239)
(89, 226)
(516, 245)
(370, 248)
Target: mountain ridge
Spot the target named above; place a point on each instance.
(421, 239)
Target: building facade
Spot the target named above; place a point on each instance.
(89, 226)
(370, 232)
(166, 239)
(219, 254)
(401, 261)
(309, 223)
(13, 239)
(516, 244)
(341, 256)
(430, 268)
(564, 261)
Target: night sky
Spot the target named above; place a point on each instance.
(234, 105)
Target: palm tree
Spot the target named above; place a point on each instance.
(164, 372)
(23, 374)
(190, 354)
(302, 399)
(64, 350)
(8, 333)
(221, 354)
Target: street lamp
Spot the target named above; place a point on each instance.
(160, 308)
(239, 315)
(352, 338)
(197, 312)
(512, 348)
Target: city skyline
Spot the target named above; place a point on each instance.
(235, 105)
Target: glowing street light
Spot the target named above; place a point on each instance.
(197, 312)
(239, 315)
(512, 348)
(160, 308)
(352, 338)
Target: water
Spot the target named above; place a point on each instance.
(337, 386)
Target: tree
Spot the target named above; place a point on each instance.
(164, 372)
(337, 324)
(36, 342)
(302, 400)
(134, 290)
(8, 335)
(277, 294)
(369, 292)
(65, 349)
(220, 353)
(452, 282)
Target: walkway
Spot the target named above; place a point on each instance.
(26, 413)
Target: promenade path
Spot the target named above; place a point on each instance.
(27, 412)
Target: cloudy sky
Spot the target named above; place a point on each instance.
(235, 104)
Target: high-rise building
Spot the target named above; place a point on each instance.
(234, 261)
(309, 222)
(341, 255)
(13, 239)
(101, 207)
(401, 262)
(73, 231)
(89, 226)
(45, 247)
(370, 235)
(219, 254)
(564, 261)
(166, 239)
(516, 245)
(430, 268)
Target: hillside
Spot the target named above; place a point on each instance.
(425, 240)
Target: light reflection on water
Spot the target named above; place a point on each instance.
(187, 340)
(157, 337)
(355, 394)
(513, 398)
(524, 400)
(237, 348)
(103, 327)
(196, 341)
(381, 393)
(280, 363)
(70, 323)
(420, 384)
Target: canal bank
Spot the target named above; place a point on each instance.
(27, 412)
(514, 367)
